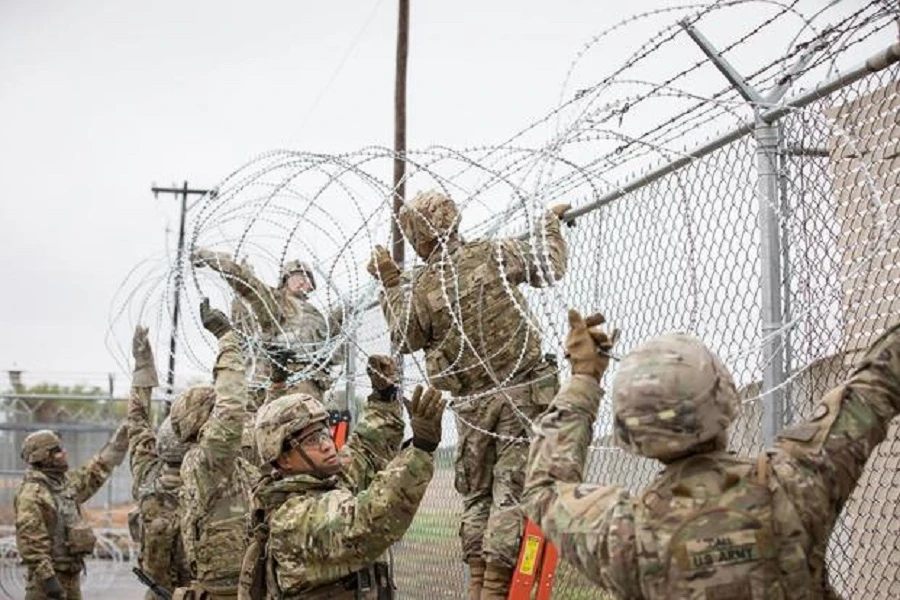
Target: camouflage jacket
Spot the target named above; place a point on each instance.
(621, 543)
(321, 530)
(155, 488)
(217, 481)
(465, 309)
(47, 505)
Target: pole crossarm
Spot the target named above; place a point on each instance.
(184, 191)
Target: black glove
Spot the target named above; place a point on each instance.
(53, 590)
(213, 319)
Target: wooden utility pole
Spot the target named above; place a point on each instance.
(400, 130)
(184, 191)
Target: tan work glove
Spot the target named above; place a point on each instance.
(382, 372)
(116, 448)
(214, 320)
(425, 413)
(587, 345)
(144, 367)
(208, 258)
(560, 209)
(382, 267)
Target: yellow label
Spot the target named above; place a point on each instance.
(532, 544)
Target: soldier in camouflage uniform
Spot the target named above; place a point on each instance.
(217, 480)
(52, 536)
(323, 517)
(156, 478)
(713, 524)
(465, 310)
(296, 337)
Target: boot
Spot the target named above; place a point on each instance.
(497, 579)
(476, 578)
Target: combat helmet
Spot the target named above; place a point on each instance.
(429, 217)
(292, 266)
(281, 418)
(191, 410)
(672, 395)
(168, 447)
(40, 446)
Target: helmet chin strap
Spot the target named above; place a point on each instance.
(316, 471)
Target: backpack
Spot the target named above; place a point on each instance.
(707, 529)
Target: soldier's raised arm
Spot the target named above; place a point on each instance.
(819, 461)
(90, 477)
(541, 260)
(376, 439)
(592, 525)
(220, 438)
(261, 297)
(141, 438)
(408, 331)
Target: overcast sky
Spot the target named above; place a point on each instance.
(101, 98)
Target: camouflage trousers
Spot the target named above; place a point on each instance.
(491, 456)
(70, 582)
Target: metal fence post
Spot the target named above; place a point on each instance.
(771, 317)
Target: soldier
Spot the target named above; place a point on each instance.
(52, 536)
(713, 524)
(322, 517)
(156, 478)
(217, 480)
(465, 310)
(296, 337)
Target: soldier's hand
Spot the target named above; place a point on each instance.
(216, 261)
(114, 451)
(382, 267)
(213, 319)
(425, 411)
(53, 589)
(202, 257)
(119, 440)
(587, 345)
(382, 372)
(560, 209)
(144, 367)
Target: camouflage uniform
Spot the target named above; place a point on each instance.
(52, 536)
(284, 321)
(713, 524)
(217, 481)
(155, 489)
(466, 311)
(322, 532)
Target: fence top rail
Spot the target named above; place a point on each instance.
(876, 62)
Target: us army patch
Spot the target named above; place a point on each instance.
(733, 548)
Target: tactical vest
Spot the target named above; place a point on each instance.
(259, 580)
(220, 536)
(708, 529)
(484, 334)
(305, 332)
(161, 551)
(72, 538)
